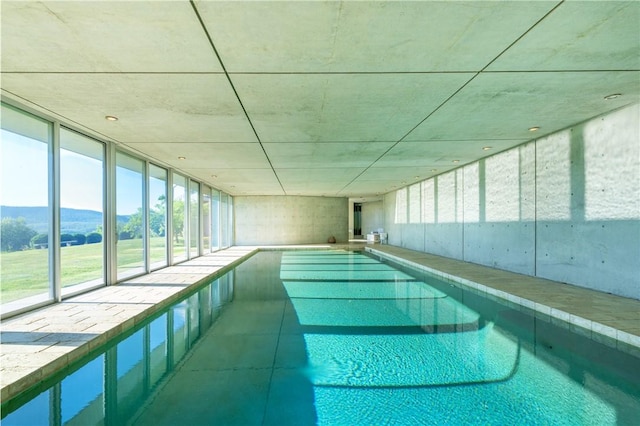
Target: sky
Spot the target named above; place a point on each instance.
(24, 180)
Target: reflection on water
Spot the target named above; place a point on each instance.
(109, 388)
(379, 344)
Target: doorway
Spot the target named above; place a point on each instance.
(357, 220)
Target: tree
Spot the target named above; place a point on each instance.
(40, 241)
(157, 222)
(80, 239)
(66, 240)
(178, 220)
(133, 228)
(94, 237)
(15, 234)
(158, 218)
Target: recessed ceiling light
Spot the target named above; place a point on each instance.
(111, 117)
(434, 170)
(456, 161)
(534, 129)
(612, 96)
(416, 177)
(182, 158)
(486, 148)
(214, 176)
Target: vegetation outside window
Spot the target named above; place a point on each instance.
(194, 222)
(24, 210)
(130, 214)
(179, 218)
(215, 220)
(81, 212)
(157, 216)
(206, 219)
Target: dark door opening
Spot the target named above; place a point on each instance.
(357, 220)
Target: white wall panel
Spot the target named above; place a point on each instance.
(372, 216)
(564, 207)
(597, 243)
(290, 219)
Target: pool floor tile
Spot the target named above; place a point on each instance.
(291, 399)
(219, 397)
(292, 351)
(247, 318)
(217, 351)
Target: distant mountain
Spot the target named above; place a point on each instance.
(72, 221)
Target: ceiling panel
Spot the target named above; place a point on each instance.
(580, 35)
(104, 36)
(239, 181)
(342, 107)
(378, 180)
(325, 155)
(150, 107)
(439, 153)
(365, 36)
(210, 156)
(328, 87)
(322, 181)
(506, 105)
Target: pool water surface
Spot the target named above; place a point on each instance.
(341, 338)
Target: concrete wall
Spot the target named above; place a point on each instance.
(263, 220)
(372, 216)
(564, 207)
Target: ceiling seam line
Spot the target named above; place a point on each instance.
(246, 114)
(522, 35)
(479, 72)
(456, 92)
(484, 70)
(412, 129)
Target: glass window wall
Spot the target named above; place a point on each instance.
(130, 216)
(179, 218)
(229, 241)
(224, 220)
(24, 210)
(206, 219)
(81, 212)
(157, 216)
(194, 219)
(215, 220)
(55, 185)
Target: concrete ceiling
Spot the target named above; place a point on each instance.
(345, 98)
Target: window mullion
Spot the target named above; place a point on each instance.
(55, 285)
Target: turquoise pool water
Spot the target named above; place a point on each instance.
(340, 338)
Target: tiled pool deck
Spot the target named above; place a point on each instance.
(37, 344)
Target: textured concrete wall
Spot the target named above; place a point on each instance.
(564, 207)
(372, 216)
(290, 219)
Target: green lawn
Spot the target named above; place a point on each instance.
(26, 273)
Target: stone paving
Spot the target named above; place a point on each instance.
(37, 344)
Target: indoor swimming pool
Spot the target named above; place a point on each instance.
(335, 337)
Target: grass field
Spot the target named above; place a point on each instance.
(26, 273)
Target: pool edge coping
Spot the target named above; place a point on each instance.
(594, 330)
(44, 372)
(602, 333)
